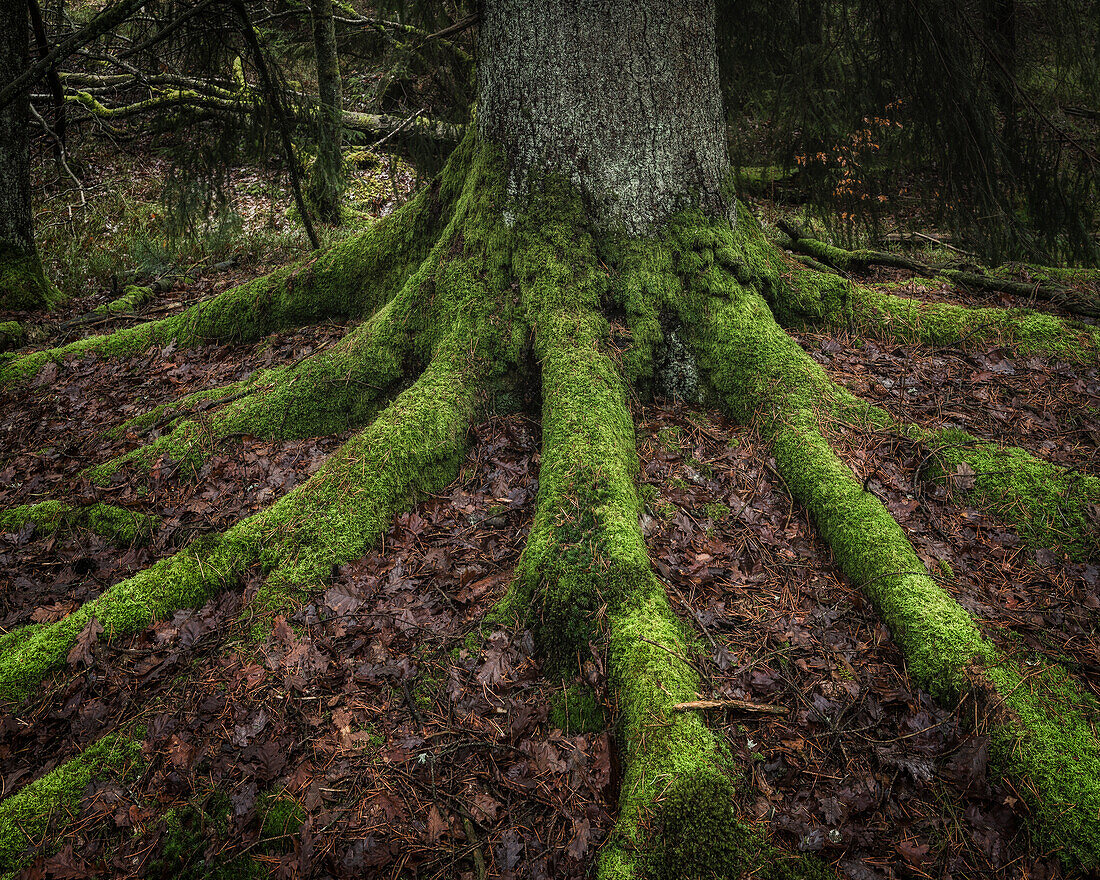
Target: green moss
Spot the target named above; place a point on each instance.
(1049, 506)
(717, 511)
(14, 638)
(133, 298)
(12, 335)
(122, 527)
(26, 815)
(812, 297)
(1050, 742)
(23, 284)
(185, 845)
(282, 819)
(576, 710)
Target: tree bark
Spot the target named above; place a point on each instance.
(22, 284)
(327, 177)
(623, 101)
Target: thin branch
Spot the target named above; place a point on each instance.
(284, 127)
(61, 153)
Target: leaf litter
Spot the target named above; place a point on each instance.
(415, 736)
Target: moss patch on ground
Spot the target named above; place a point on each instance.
(122, 527)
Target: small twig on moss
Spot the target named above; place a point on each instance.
(734, 705)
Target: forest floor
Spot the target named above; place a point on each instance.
(387, 729)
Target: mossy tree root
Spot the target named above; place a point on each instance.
(122, 527)
(414, 446)
(800, 296)
(348, 280)
(341, 387)
(1046, 504)
(26, 815)
(585, 578)
(586, 554)
(1042, 730)
(1047, 288)
(336, 389)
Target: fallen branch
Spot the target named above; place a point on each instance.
(743, 706)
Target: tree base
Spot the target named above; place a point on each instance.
(469, 291)
(23, 283)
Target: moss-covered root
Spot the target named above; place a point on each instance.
(134, 296)
(415, 445)
(1047, 505)
(1043, 734)
(801, 296)
(585, 551)
(122, 527)
(12, 335)
(338, 388)
(352, 278)
(26, 815)
(23, 283)
(585, 574)
(818, 297)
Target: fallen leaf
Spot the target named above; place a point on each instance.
(81, 651)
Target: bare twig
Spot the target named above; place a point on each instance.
(743, 706)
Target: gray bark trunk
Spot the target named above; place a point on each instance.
(16, 231)
(22, 285)
(623, 99)
(327, 179)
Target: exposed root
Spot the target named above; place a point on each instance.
(1047, 505)
(413, 446)
(337, 389)
(122, 527)
(353, 278)
(801, 296)
(1044, 738)
(1046, 288)
(26, 815)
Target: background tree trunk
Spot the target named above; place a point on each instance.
(327, 177)
(22, 284)
(625, 101)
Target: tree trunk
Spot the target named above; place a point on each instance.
(22, 282)
(327, 177)
(625, 102)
